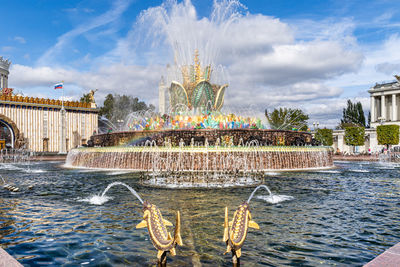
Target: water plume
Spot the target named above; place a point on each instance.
(178, 25)
(271, 198)
(101, 199)
(255, 190)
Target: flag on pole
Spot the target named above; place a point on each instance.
(58, 86)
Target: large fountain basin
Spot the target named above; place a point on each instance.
(224, 159)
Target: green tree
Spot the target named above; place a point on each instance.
(324, 136)
(287, 119)
(388, 134)
(118, 107)
(107, 108)
(354, 136)
(353, 115)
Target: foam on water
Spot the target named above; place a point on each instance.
(329, 171)
(274, 199)
(88, 170)
(167, 183)
(96, 199)
(359, 170)
(34, 171)
(117, 173)
(272, 173)
(387, 168)
(9, 166)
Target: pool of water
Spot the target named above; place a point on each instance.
(343, 216)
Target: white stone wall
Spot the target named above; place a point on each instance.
(371, 142)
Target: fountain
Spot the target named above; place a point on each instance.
(235, 231)
(196, 144)
(201, 166)
(153, 220)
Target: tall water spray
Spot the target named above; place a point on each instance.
(178, 25)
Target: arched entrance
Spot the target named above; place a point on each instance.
(9, 133)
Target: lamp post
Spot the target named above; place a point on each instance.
(315, 124)
(381, 120)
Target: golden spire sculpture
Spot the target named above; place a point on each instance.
(197, 67)
(196, 91)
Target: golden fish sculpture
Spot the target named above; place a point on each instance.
(235, 231)
(156, 225)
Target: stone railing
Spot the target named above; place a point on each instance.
(270, 137)
(44, 101)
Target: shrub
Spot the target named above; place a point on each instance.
(324, 136)
(388, 134)
(354, 136)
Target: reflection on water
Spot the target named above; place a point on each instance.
(340, 217)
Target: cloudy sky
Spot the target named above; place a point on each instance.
(312, 55)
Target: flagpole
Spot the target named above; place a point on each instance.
(63, 148)
(62, 97)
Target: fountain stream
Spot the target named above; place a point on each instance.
(271, 198)
(101, 199)
(255, 190)
(127, 186)
(4, 181)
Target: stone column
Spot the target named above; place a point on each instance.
(394, 108)
(383, 107)
(340, 143)
(373, 119)
(63, 147)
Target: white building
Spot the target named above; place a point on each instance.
(385, 103)
(371, 142)
(43, 125)
(385, 109)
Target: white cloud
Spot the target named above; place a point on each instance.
(117, 78)
(270, 63)
(381, 62)
(7, 48)
(20, 39)
(111, 15)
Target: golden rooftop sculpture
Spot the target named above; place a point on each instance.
(196, 91)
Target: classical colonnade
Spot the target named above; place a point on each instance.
(385, 107)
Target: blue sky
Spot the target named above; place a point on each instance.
(312, 55)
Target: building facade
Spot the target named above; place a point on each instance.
(385, 109)
(43, 125)
(385, 103)
(370, 143)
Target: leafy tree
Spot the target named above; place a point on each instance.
(118, 107)
(388, 134)
(287, 119)
(354, 136)
(324, 136)
(353, 115)
(107, 108)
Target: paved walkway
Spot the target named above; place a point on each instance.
(7, 261)
(389, 258)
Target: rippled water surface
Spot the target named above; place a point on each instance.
(344, 216)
